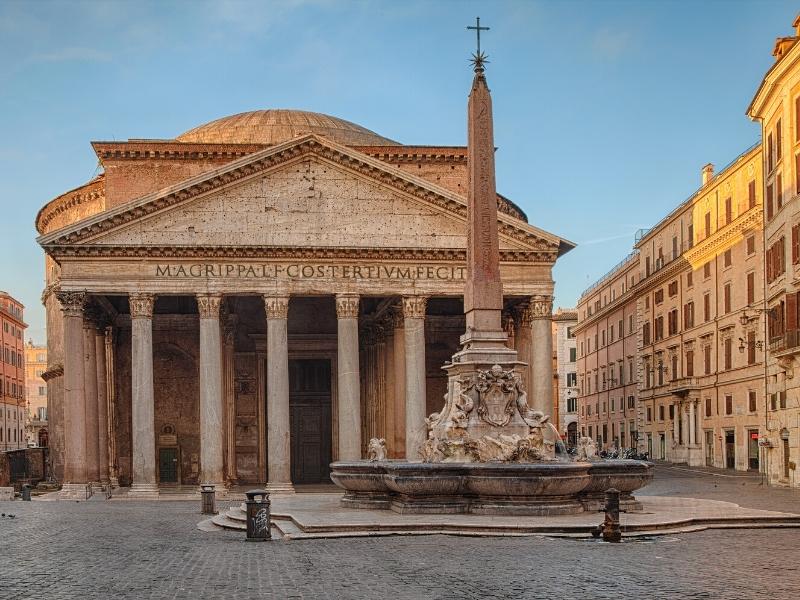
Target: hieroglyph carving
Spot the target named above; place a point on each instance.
(72, 303)
(141, 305)
(347, 306)
(277, 307)
(414, 307)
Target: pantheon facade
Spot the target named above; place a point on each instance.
(262, 295)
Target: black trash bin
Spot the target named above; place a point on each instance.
(258, 516)
(208, 505)
(26, 492)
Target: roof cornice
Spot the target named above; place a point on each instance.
(770, 82)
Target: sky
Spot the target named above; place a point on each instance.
(605, 111)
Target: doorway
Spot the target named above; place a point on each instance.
(310, 420)
(662, 446)
(168, 465)
(730, 449)
(752, 449)
(709, 448)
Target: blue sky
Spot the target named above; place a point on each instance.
(605, 111)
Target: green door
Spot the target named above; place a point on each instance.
(168, 465)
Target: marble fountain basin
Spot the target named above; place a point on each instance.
(530, 489)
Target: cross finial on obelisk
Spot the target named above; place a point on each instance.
(483, 294)
(478, 58)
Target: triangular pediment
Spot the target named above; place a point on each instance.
(309, 192)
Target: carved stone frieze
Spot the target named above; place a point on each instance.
(208, 305)
(414, 307)
(347, 306)
(141, 305)
(277, 307)
(72, 303)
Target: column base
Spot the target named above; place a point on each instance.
(114, 482)
(75, 491)
(279, 488)
(144, 491)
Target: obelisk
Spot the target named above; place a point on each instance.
(483, 294)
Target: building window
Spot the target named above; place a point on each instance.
(689, 279)
(751, 288)
(672, 289)
(751, 347)
(672, 321)
(778, 140)
(707, 224)
(728, 349)
(573, 354)
(727, 259)
(751, 245)
(690, 363)
(751, 401)
(751, 194)
(690, 234)
(659, 328)
(631, 328)
(661, 412)
(708, 407)
(572, 379)
(649, 414)
(770, 210)
(726, 298)
(688, 315)
(707, 270)
(570, 333)
(572, 405)
(659, 296)
(706, 307)
(707, 359)
(728, 404)
(646, 334)
(795, 244)
(782, 399)
(728, 210)
(776, 260)
(770, 153)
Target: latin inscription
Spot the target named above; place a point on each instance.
(308, 271)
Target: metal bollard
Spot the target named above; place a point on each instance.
(26, 492)
(258, 517)
(611, 529)
(207, 499)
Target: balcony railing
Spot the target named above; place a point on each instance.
(684, 384)
(788, 341)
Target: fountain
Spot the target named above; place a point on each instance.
(487, 451)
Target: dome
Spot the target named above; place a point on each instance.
(275, 126)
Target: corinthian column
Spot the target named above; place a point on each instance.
(76, 484)
(211, 412)
(541, 364)
(524, 346)
(143, 408)
(348, 378)
(416, 397)
(279, 448)
(102, 401)
(90, 398)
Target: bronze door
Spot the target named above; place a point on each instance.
(310, 406)
(168, 465)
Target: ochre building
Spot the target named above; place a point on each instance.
(36, 394)
(12, 373)
(262, 295)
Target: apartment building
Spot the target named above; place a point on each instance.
(606, 341)
(36, 430)
(12, 374)
(776, 106)
(565, 344)
(701, 342)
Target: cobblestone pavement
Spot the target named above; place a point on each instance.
(145, 550)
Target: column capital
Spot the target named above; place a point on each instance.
(396, 317)
(414, 307)
(208, 305)
(141, 305)
(524, 312)
(95, 318)
(541, 307)
(277, 307)
(72, 303)
(347, 306)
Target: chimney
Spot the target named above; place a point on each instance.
(708, 173)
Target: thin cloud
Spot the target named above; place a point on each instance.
(72, 54)
(610, 44)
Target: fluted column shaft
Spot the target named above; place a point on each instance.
(211, 409)
(416, 389)
(90, 401)
(102, 402)
(348, 378)
(524, 345)
(142, 398)
(75, 476)
(279, 446)
(541, 371)
(399, 355)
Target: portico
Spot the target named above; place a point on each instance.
(270, 316)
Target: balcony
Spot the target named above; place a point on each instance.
(684, 385)
(787, 343)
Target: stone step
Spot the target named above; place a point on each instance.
(224, 521)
